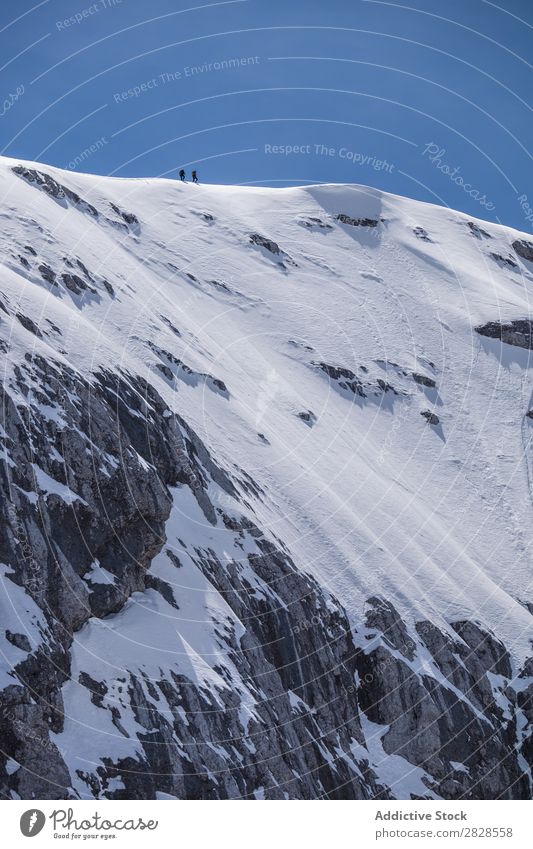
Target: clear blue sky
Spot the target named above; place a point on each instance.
(361, 87)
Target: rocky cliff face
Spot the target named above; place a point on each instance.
(285, 711)
(163, 633)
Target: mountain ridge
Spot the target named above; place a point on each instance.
(262, 471)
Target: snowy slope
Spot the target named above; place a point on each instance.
(300, 334)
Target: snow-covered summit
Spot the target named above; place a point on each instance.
(313, 353)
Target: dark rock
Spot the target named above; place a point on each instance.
(75, 284)
(83, 268)
(97, 689)
(184, 372)
(169, 324)
(477, 231)
(54, 327)
(223, 287)
(344, 377)
(524, 249)
(155, 583)
(169, 374)
(337, 372)
(308, 417)
(430, 417)
(314, 223)
(175, 560)
(47, 274)
(128, 217)
(263, 242)
(423, 380)
(504, 260)
(357, 222)
(273, 248)
(54, 189)
(383, 616)
(24, 737)
(431, 724)
(527, 668)
(422, 234)
(21, 641)
(219, 384)
(517, 332)
(29, 324)
(492, 654)
(392, 694)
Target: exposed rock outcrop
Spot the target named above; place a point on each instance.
(54, 189)
(424, 380)
(518, 332)
(524, 249)
(296, 664)
(357, 222)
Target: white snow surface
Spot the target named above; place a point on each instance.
(370, 499)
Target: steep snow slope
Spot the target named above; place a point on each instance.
(268, 492)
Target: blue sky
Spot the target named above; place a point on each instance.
(430, 100)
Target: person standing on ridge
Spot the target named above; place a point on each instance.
(194, 176)
(182, 175)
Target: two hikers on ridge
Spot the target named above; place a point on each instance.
(194, 176)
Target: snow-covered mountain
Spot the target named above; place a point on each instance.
(266, 493)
